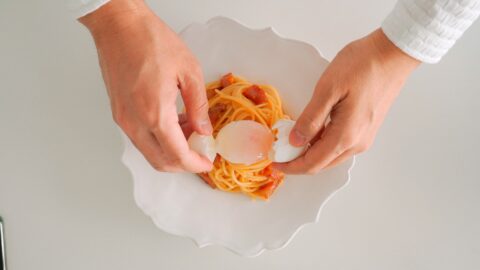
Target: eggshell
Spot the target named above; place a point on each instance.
(282, 150)
(203, 145)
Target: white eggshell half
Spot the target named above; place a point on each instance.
(203, 145)
(282, 150)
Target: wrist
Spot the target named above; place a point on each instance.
(114, 16)
(390, 56)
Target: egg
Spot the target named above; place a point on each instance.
(247, 142)
(244, 142)
(203, 145)
(282, 150)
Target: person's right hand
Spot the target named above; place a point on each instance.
(145, 65)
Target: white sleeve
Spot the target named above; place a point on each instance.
(427, 29)
(80, 8)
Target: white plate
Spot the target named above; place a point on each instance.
(182, 204)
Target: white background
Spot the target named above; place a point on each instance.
(413, 202)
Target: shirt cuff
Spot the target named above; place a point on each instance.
(426, 29)
(80, 8)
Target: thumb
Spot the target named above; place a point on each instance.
(185, 125)
(196, 103)
(313, 117)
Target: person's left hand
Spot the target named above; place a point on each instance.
(355, 91)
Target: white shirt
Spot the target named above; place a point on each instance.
(423, 29)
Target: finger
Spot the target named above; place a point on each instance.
(185, 125)
(172, 140)
(342, 158)
(147, 144)
(339, 136)
(316, 157)
(182, 118)
(318, 136)
(196, 103)
(314, 116)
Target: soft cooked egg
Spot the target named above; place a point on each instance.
(244, 142)
(203, 145)
(247, 142)
(282, 150)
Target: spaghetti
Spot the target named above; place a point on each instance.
(231, 99)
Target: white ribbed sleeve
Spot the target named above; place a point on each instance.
(427, 29)
(80, 8)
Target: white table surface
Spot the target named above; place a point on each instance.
(413, 203)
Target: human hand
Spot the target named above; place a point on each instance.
(145, 65)
(356, 92)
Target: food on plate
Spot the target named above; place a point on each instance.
(250, 131)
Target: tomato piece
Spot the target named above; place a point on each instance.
(207, 179)
(276, 178)
(227, 79)
(216, 112)
(255, 94)
(210, 93)
(267, 171)
(267, 190)
(277, 175)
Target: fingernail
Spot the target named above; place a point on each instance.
(206, 126)
(298, 139)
